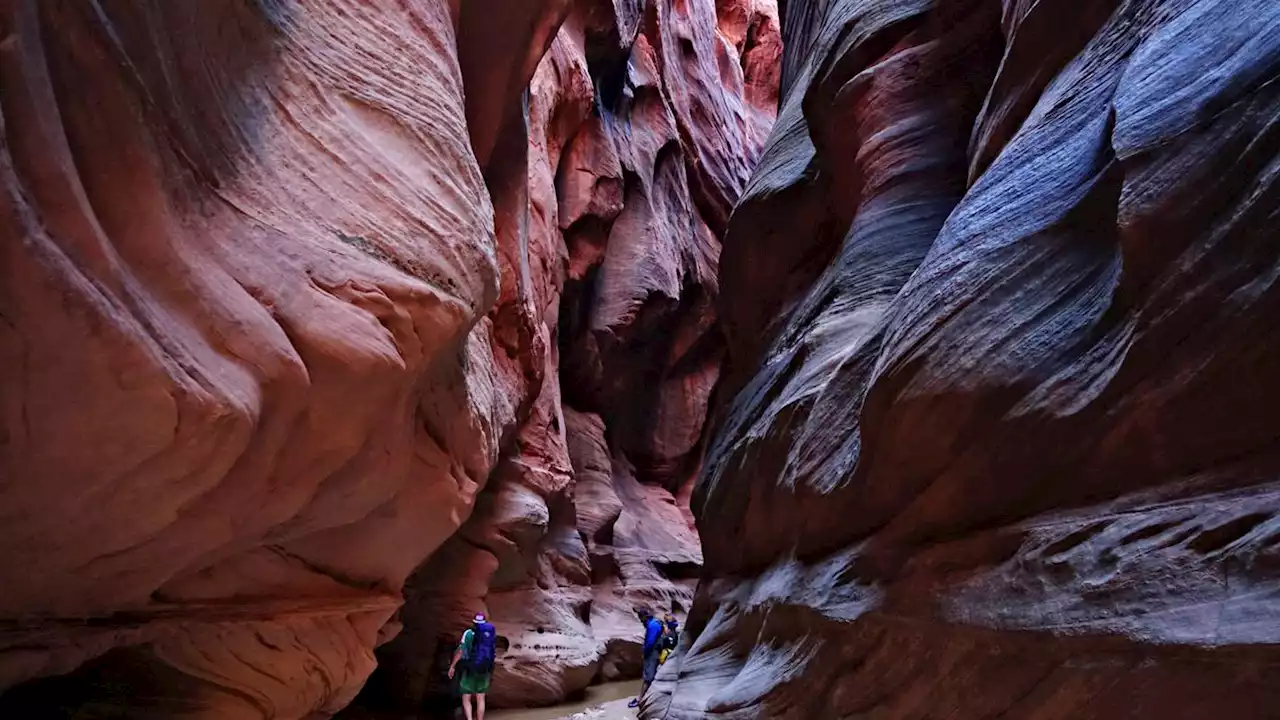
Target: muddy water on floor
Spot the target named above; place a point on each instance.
(596, 695)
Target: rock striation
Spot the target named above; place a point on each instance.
(996, 437)
(310, 308)
(246, 246)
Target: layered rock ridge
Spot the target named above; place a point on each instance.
(291, 290)
(997, 437)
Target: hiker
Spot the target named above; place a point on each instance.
(653, 630)
(670, 637)
(476, 651)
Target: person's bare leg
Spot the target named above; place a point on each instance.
(480, 706)
(466, 706)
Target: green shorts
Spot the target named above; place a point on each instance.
(472, 683)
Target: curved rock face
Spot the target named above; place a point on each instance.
(279, 303)
(245, 245)
(1000, 303)
(288, 290)
(642, 123)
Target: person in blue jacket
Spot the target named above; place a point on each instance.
(652, 648)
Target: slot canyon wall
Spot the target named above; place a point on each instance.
(642, 123)
(998, 435)
(311, 309)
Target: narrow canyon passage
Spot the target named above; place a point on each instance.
(338, 322)
(918, 355)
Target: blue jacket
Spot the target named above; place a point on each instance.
(652, 634)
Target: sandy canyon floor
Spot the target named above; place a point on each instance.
(599, 702)
(602, 702)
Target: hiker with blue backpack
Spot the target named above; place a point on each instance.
(476, 652)
(653, 632)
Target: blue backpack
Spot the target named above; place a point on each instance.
(484, 641)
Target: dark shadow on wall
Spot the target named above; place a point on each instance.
(123, 684)
(382, 695)
(119, 684)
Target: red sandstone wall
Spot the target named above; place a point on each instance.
(999, 427)
(282, 310)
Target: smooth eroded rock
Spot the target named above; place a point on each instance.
(996, 434)
(246, 247)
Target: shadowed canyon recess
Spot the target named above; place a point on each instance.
(922, 353)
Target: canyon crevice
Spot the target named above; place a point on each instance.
(921, 351)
